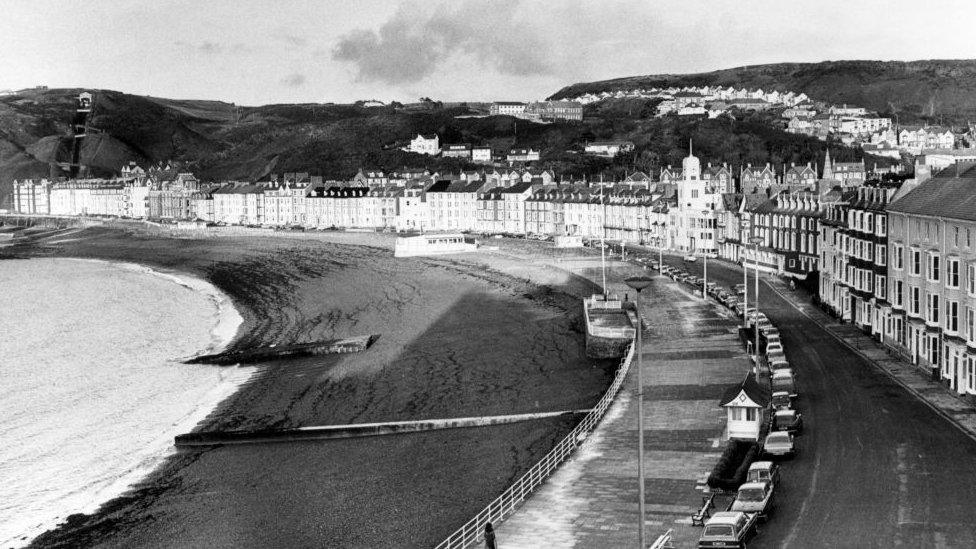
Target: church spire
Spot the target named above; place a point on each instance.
(828, 171)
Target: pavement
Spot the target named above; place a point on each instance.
(691, 354)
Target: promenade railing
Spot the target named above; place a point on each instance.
(506, 504)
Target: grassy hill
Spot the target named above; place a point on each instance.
(916, 90)
(221, 141)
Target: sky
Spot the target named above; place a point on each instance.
(258, 52)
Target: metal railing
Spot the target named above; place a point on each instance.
(506, 504)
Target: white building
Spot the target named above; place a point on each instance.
(481, 155)
(426, 144)
(609, 149)
(696, 219)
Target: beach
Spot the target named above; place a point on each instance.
(456, 339)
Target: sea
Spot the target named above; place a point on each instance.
(92, 388)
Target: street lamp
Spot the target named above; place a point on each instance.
(638, 283)
(755, 242)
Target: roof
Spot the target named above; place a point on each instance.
(517, 188)
(951, 193)
(752, 390)
(440, 186)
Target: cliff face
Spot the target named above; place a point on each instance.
(916, 89)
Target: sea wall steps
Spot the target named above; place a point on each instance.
(262, 354)
(355, 430)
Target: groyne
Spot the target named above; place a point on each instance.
(262, 354)
(354, 430)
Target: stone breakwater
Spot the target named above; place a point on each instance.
(265, 354)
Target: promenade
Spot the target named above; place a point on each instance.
(691, 355)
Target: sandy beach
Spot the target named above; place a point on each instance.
(457, 338)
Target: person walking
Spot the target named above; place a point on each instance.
(490, 537)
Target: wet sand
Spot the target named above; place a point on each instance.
(456, 339)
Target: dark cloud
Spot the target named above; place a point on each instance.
(415, 41)
(293, 80)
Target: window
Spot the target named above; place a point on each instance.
(882, 226)
(971, 279)
(898, 257)
(932, 308)
(750, 414)
(952, 316)
(899, 293)
(736, 414)
(881, 286)
(915, 301)
(933, 267)
(952, 273)
(971, 324)
(916, 263)
(881, 254)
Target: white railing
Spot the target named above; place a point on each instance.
(505, 504)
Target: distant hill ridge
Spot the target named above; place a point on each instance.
(915, 89)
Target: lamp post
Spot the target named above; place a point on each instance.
(638, 283)
(705, 276)
(755, 243)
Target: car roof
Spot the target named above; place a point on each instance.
(725, 517)
(757, 465)
(778, 434)
(758, 484)
(783, 373)
(785, 412)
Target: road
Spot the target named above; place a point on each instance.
(876, 467)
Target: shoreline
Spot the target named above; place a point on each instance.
(228, 321)
(277, 286)
(223, 328)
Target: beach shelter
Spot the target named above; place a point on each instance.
(747, 408)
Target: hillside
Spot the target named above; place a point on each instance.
(916, 90)
(221, 141)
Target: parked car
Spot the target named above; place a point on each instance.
(763, 471)
(783, 380)
(779, 364)
(690, 258)
(779, 444)
(781, 400)
(754, 497)
(728, 529)
(773, 347)
(787, 420)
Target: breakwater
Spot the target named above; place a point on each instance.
(262, 354)
(354, 430)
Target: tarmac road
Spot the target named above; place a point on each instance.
(876, 467)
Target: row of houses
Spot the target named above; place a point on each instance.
(539, 111)
(679, 97)
(431, 145)
(899, 262)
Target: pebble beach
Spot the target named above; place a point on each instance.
(459, 336)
